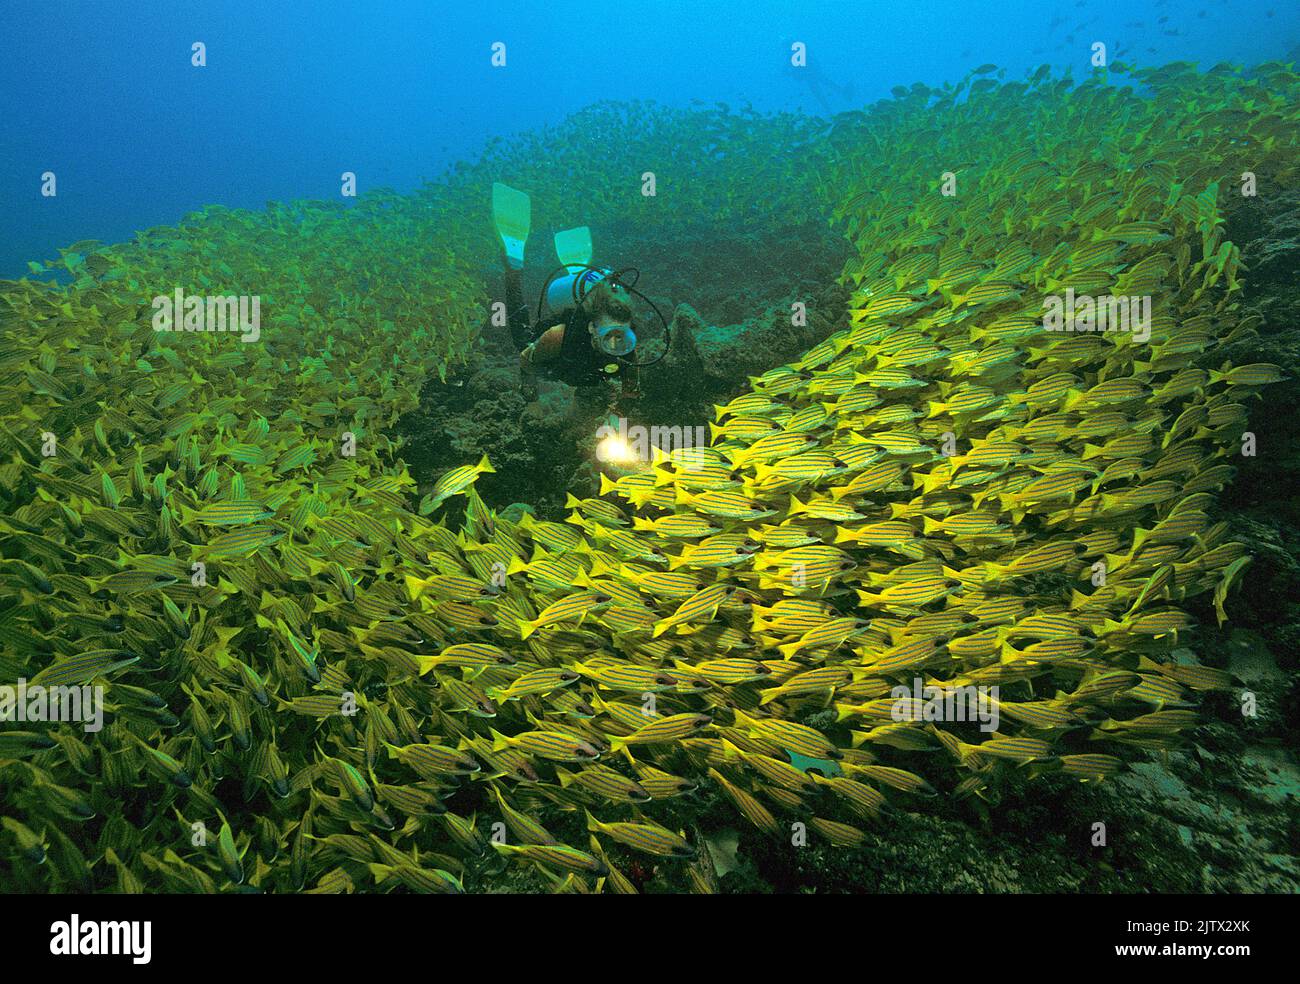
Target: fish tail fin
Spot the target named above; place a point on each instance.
(934, 480)
(382, 872)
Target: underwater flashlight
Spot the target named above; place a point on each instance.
(615, 450)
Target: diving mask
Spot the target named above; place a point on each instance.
(616, 340)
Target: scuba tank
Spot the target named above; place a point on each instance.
(569, 290)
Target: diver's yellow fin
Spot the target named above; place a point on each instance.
(512, 213)
(573, 246)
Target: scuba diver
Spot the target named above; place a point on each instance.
(586, 338)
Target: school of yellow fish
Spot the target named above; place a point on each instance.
(315, 684)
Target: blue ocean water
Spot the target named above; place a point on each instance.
(294, 93)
